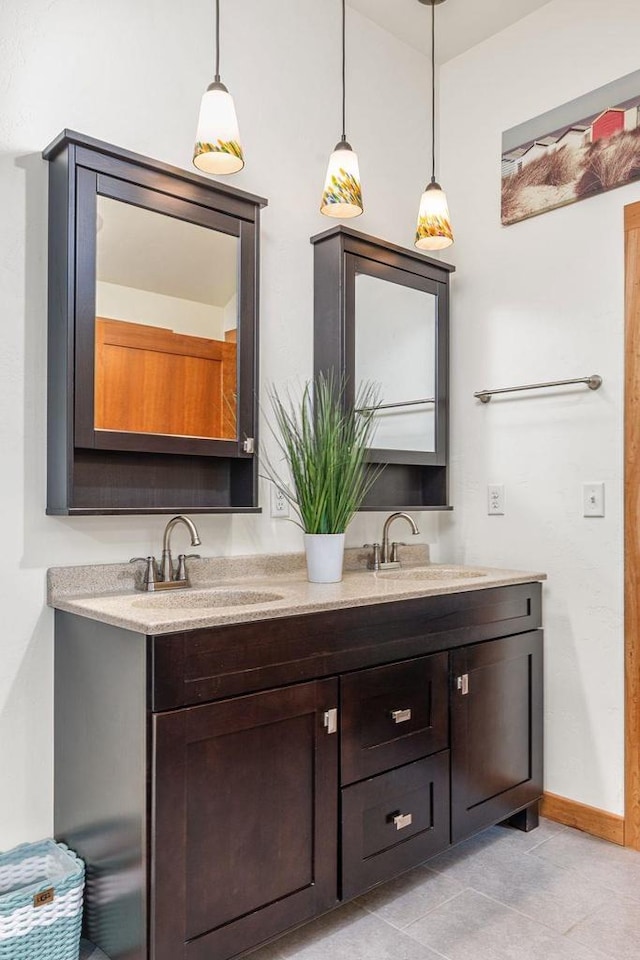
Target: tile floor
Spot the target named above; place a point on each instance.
(552, 894)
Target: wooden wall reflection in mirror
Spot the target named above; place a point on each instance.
(166, 325)
(153, 315)
(381, 314)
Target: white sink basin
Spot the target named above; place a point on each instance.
(189, 599)
(434, 573)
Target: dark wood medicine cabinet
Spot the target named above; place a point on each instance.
(153, 336)
(381, 314)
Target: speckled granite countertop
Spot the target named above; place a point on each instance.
(239, 589)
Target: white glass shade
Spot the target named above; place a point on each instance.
(342, 195)
(218, 148)
(433, 231)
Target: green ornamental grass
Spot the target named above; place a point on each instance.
(324, 442)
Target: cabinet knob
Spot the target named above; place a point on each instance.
(463, 684)
(400, 716)
(402, 820)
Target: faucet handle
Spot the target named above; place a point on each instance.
(151, 573)
(182, 566)
(374, 560)
(394, 550)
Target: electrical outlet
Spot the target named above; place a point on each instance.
(593, 499)
(279, 503)
(495, 499)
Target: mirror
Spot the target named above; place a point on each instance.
(166, 325)
(395, 347)
(153, 367)
(381, 314)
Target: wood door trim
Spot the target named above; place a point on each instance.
(599, 823)
(632, 526)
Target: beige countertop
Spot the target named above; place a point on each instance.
(242, 589)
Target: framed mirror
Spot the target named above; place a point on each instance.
(153, 319)
(381, 315)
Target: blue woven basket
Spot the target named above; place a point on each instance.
(41, 887)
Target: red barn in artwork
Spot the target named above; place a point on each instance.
(609, 122)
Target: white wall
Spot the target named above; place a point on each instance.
(159, 310)
(543, 300)
(133, 74)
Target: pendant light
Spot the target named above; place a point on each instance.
(218, 149)
(433, 231)
(342, 196)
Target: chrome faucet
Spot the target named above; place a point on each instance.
(386, 557)
(163, 576)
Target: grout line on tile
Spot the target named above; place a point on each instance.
(521, 913)
(426, 913)
(448, 900)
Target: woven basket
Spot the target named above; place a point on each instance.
(41, 888)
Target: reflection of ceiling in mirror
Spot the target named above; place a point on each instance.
(150, 251)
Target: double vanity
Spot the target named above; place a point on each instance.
(238, 750)
(239, 757)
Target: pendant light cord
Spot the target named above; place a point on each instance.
(217, 41)
(344, 72)
(433, 92)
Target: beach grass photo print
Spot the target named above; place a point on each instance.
(573, 152)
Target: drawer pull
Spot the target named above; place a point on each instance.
(400, 716)
(402, 820)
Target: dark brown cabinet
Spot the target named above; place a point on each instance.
(496, 731)
(153, 336)
(381, 316)
(227, 784)
(245, 820)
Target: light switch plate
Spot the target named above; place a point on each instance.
(593, 499)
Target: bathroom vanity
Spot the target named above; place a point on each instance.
(231, 771)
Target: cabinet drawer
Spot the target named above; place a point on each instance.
(393, 822)
(392, 715)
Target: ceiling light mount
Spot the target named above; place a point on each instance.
(218, 149)
(433, 231)
(342, 195)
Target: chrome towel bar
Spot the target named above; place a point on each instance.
(593, 382)
(400, 403)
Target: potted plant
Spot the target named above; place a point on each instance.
(324, 441)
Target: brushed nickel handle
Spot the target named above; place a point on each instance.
(330, 720)
(402, 820)
(400, 716)
(463, 684)
(374, 560)
(394, 550)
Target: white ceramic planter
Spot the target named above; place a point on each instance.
(325, 553)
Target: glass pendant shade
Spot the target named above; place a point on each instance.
(433, 231)
(342, 196)
(218, 149)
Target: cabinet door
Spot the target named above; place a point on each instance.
(244, 821)
(496, 731)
